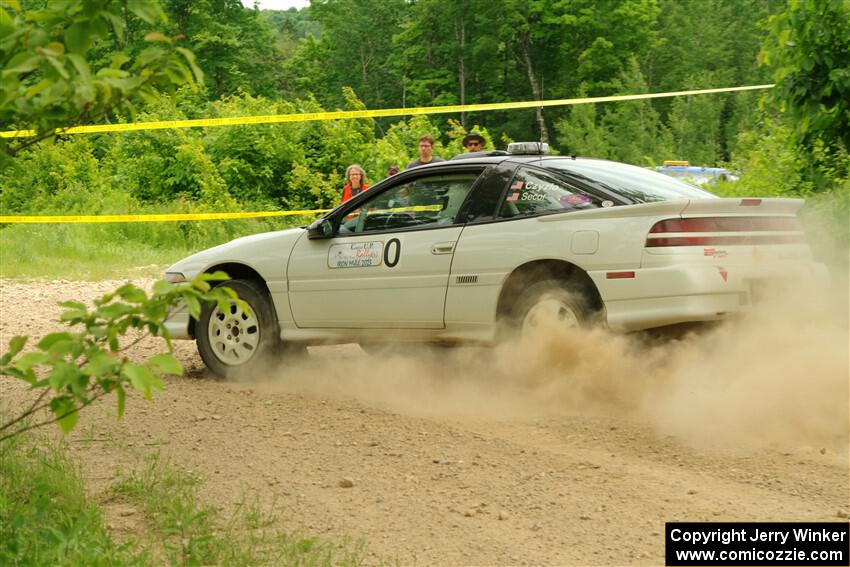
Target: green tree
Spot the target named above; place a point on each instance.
(433, 69)
(234, 45)
(809, 52)
(47, 81)
(559, 45)
(768, 164)
(635, 131)
(580, 132)
(707, 44)
(696, 125)
(352, 51)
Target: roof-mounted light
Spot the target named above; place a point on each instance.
(528, 148)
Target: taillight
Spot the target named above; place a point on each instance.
(707, 231)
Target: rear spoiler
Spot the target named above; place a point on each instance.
(745, 205)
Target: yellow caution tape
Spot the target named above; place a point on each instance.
(350, 114)
(304, 117)
(409, 209)
(151, 218)
(45, 219)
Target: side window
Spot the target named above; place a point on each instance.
(426, 201)
(533, 192)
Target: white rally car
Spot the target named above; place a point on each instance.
(493, 242)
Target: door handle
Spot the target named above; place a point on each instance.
(443, 248)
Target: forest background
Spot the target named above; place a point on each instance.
(136, 60)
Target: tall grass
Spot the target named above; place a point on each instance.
(45, 515)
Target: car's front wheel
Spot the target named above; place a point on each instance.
(236, 341)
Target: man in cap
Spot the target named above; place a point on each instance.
(473, 142)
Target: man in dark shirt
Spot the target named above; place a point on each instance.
(426, 149)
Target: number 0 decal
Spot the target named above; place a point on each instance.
(392, 252)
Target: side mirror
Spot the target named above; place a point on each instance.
(322, 228)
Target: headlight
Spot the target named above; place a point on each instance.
(174, 277)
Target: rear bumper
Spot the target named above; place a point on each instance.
(679, 294)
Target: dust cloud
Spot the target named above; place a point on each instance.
(776, 376)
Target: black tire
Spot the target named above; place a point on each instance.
(556, 301)
(237, 343)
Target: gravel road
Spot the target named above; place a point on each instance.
(573, 450)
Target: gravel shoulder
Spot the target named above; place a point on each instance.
(572, 452)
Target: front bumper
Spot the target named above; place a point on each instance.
(179, 323)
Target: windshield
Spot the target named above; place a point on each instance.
(636, 183)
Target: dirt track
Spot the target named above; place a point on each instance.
(569, 452)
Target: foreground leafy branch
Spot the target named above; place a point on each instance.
(74, 368)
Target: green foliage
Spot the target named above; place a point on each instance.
(45, 515)
(696, 124)
(636, 133)
(630, 131)
(73, 369)
(291, 25)
(444, 52)
(581, 134)
(234, 46)
(435, 44)
(768, 164)
(47, 82)
(809, 52)
(352, 51)
(471, 51)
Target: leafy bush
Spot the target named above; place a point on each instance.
(768, 164)
(71, 370)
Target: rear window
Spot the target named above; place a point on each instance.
(635, 183)
(533, 192)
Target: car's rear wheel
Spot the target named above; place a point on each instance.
(236, 341)
(547, 306)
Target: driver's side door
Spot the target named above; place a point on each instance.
(388, 263)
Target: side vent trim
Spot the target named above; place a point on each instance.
(466, 279)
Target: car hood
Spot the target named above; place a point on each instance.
(267, 253)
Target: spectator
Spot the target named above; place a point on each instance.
(426, 149)
(392, 170)
(473, 142)
(355, 179)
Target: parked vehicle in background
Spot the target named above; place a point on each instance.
(494, 243)
(696, 175)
